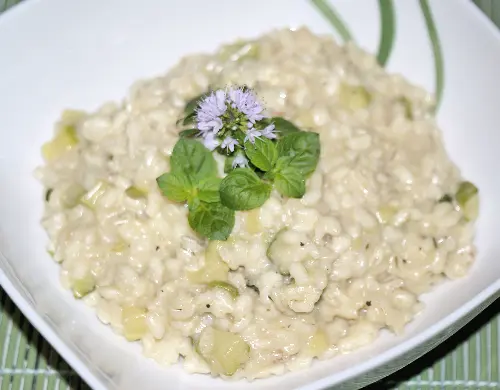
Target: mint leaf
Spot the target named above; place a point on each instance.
(193, 160)
(263, 153)
(192, 104)
(282, 163)
(189, 133)
(211, 220)
(175, 186)
(284, 127)
(189, 119)
(228, 164)
(208, 190)
(303, 148)
(242, 189)
(290, 182)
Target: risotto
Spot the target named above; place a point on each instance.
(386, 215)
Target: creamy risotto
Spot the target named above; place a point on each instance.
(386, 215)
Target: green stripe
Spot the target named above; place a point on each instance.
(42, 364)
(334, 18)
(31, 359)
(53, 363)
(495, 362)
(484, 375)
(13, 342)
(388, 31)
(448, 369)
(436, 49)
(460, 364)
(472, 358)
(21, 354)
(425, 375)
(4, 325)
(436, 369)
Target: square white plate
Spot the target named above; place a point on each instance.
(79, 53)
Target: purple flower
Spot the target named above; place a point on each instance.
(212, 126)
(240, 161)
(229, 143)
(209, 112)
(210, 141)
(246, 102)
(268, 131)
(252, 134)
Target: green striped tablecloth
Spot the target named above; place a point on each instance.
(469, 360)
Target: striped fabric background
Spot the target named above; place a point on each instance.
(469, 360)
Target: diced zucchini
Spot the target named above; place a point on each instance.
(318, 343)
(354, 97)
(471, 209)
(253, 224)
(233, 291)
(357, 244)
(72, 117)
(468, 199)
(134, 322)
(215, 269)
(84, 286)
(90, 198)
(64, 140)
(119, 247)
(225, 352)
(136, 193)
(72, 195)
(407, 106)
(269, 251)
(385, 214)
(239, 51)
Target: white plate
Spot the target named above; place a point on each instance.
(79, 53)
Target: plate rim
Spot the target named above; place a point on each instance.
(93, 378)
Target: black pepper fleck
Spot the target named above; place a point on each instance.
(446, 198)
(157, 248)
(368, 303)
(367, 246)
(405, 261)
(434, 241)
(47, 194)
(302, 244)
(208, 306)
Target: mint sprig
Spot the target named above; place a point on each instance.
(208, 190)
(285, 166)
(191, 158)
(303, 148)
(212, 220)
(283, 126)
(242, 189)
(260, 154)
(176, 186)
(290, 182)
(193, 179)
